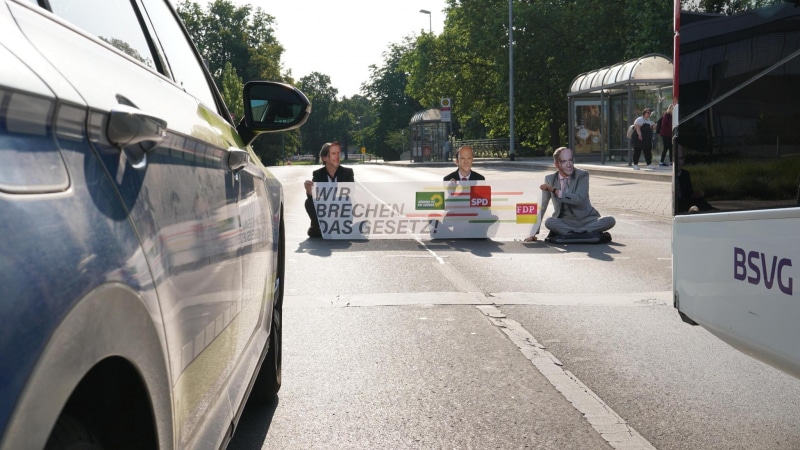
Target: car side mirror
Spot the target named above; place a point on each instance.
(270, 107)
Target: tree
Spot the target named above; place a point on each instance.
(236, 35)
(238, 43)
(273, 148)
(554, 42)
(394, 107)
(461, 64)
(319, 128)
(232, 92)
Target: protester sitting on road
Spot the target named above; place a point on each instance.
(573, 212)
(331, 172)
(464, 157)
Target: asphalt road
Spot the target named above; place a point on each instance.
(504, 344)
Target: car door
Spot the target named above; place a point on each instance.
(176, 183)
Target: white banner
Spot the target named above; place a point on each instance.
(428, 210)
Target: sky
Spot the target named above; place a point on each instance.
(343, 38)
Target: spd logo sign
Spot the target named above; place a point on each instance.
(480, 196)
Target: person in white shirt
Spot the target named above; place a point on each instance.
(642, 139)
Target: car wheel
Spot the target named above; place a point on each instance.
(268, 382)
(71, 434)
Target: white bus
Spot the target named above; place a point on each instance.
(736, 184)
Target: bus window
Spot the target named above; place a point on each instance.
(739, 131)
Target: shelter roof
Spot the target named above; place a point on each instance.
(429, 115)
(650, 69)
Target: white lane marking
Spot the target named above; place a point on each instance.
(422, 243)
(415, 256)
(473, 296)
(586, 258)
(592, 299)
(611, 427)
(386, 299)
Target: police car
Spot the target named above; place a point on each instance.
(141, 240)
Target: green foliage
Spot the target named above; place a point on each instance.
(318, 129)
(232, 91)
(275, 148)
(759, 179)
(554, 42)
(727, 6)
(227, 33)
(394, 106)
(238, 43)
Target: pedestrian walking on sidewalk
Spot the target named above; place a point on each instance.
(642, 139)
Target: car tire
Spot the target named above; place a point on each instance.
(71, 434)
(268, 382)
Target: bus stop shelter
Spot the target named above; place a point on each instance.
(604, 102)
(428, 135)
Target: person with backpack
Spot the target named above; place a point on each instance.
(642, 139)
(664, 129)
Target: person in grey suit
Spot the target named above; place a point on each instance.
(573, 212)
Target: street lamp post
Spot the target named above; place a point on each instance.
(361, 133)
(510, 81)
(430, 21)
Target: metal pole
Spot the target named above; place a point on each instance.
(511, 80)
(361, 132)
(430, 21)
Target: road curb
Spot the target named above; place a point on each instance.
(616, 171)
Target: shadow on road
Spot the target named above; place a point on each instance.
(251, 432)
(600, 252)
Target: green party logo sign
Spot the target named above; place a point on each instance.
(430, 201)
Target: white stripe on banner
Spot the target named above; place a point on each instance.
(428, 210)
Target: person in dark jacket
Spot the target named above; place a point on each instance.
(464, 157)
(330, 154)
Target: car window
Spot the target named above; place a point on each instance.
(186, 68)
(113, 21)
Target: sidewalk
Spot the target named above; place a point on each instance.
(611, 169)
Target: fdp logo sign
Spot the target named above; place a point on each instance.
(527, 212)
(480, 196)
